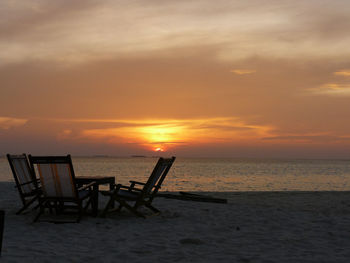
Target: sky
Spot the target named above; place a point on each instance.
(254, 78)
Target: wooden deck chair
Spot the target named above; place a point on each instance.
(59, 189)
(142, 196)
(26, 182)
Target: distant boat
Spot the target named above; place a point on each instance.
(138, 156)
(100, 156)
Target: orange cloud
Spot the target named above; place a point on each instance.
(243, 71)
(345, 73)
(309, 138)
(66, 133)
(6, 122)
(332, 89)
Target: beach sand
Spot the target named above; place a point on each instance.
(252, 227)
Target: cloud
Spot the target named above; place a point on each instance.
(64, 134)
(243, 71)
(332, 89)
(82, 31)
(173, 132)
(7, 123)
(344, 72)
(322, 138)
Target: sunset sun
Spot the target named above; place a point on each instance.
(159, 149)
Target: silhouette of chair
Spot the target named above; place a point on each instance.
(26, 182)
(59, 189)
(140, 197)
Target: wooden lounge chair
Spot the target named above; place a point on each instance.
(142, 196)
(59, 189)
(26, 182)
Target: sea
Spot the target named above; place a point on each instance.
(218, 175)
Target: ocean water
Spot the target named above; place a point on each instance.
(190, 174)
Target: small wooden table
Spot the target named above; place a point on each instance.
(81, 180)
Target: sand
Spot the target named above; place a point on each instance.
(252, 227)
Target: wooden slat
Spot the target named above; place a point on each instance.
(192, 197)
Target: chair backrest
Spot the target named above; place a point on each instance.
(157, 176)
(56, 175)
(22, 173)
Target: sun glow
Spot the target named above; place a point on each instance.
(163, 135)
(160, 133)
(158, 137)
(159, 149)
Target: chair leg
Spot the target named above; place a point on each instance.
(80, 212)
(122, 204)
(26, 205)
(109, 204)
(50, 208)
(56, 207)
(155, 210)
(131, 209)
(36, 207)
(22, 209)
(39, 214)
(94, 200)
(60, 207)
(87, 205)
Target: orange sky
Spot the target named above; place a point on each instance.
(190, 78)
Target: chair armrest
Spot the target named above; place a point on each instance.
(135, 182)
(87, 186)
(130, 188)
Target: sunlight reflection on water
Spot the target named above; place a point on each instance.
(220, 174)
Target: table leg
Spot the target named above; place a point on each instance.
(2, 219)
(111, 187)
(94, 201)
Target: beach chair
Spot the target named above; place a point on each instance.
(142, 196)
(59, 189)
(26, 183)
